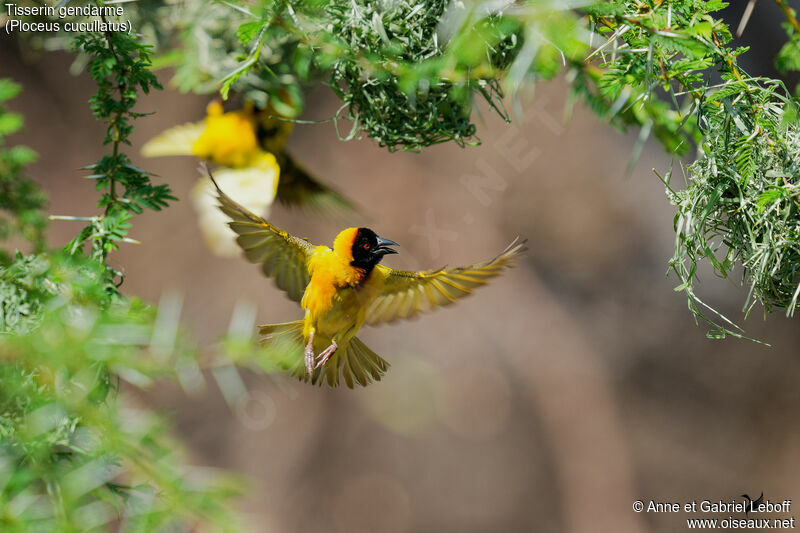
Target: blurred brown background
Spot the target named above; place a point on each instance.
(549, 401)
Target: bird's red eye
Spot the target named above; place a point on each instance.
(366, 246)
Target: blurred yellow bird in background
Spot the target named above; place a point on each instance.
(249, 145)
(341, 289)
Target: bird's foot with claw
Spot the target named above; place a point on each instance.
(326, 354)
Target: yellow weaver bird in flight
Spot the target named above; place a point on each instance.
(248, 138)
(343, 288)
(249, 146)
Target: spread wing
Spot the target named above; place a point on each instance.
(406, 294)
(281, 255)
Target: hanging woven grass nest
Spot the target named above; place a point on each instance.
(422, 94)
(741, 205)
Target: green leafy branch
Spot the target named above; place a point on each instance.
(120, 66)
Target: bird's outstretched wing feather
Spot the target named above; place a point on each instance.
(281, 255)
(406, 294)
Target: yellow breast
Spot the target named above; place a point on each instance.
(329, 274)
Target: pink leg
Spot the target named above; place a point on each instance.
(310, 354)
(326, 354)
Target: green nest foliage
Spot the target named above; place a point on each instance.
(741, 204)
(406, 72)
(405, 106)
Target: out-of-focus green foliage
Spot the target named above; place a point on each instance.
(78, 452)
(74, 455)
(789, 56)
(20, 198)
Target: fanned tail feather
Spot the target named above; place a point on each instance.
(358, 364)
(354, 362)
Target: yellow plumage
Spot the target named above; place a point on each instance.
(342, 288)
(228, 139)
(247, 140)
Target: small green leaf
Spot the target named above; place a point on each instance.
(22, 155)
(769, 196)
(788, 57)
(10, 123)
(8, 89)
(702, 29)
(249, 31)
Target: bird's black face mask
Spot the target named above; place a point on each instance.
(368, 249)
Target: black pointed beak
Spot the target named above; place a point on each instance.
(383, 247)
